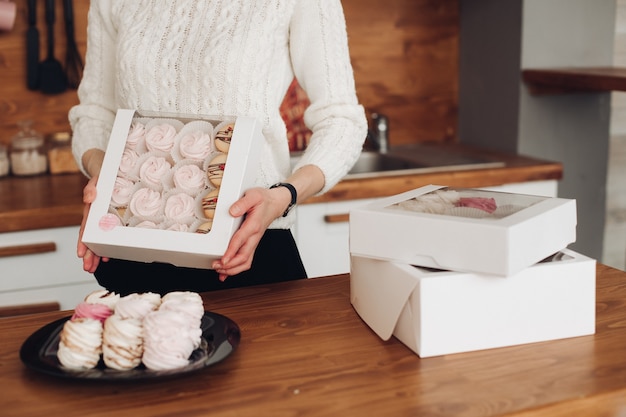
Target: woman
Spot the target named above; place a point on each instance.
(223, 58)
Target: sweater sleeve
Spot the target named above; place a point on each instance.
(92, 119)
(321, 63)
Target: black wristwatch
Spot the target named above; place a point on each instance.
(294, 195)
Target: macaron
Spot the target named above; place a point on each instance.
(205, 227)
(223, 137)
(209, 202)
(215, 170)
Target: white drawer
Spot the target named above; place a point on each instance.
(60, 266)
(322, 235)
(68, 296)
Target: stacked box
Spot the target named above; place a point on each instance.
(453, 270)
(166, 185)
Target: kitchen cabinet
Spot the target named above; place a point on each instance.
(40, 267)
(322, 230)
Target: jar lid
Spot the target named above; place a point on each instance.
(61, 137)
(29, 142)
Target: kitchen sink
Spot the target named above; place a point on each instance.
(412, 159)
(369, 162)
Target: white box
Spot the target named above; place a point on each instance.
(179, 248)
(442, 312)
(521, 232)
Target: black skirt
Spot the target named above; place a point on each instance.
(276, 259)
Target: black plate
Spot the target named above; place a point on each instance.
(220, 337)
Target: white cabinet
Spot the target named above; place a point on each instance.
(51, 273)
(322, 230)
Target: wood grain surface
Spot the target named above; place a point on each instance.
(49, 112)
(404, 53)
(305, 352)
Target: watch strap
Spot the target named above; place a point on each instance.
(294, 195)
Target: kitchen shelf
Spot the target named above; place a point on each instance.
(544, 81)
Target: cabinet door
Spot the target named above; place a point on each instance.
(322, 233)
(42, 266)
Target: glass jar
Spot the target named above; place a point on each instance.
(28, 151)
(60, 158)
(4, 161)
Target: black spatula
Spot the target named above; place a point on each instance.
(32, 47)
(73, 60)
(52, 77)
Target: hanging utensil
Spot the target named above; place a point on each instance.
(32, 47)
(52, 77)
(73, 60)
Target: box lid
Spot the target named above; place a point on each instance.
(460, 229)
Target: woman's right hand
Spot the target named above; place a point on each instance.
(92, 161)
(90, 259)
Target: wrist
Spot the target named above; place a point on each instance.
(293, 195)
(92, 161)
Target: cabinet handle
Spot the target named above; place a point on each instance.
(20, 310)
(29, 249)
(337, 218)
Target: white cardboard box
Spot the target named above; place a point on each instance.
(529, 229)
(167, 246)
(436, 312)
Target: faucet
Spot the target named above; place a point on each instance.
(378, 135)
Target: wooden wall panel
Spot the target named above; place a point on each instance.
(49, 112)
(405, 59)
(404, 53)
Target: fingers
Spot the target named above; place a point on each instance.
(89, 195)
(242, 256)
(240, 252)
(247, 203)
(89, 192)
(81, 248)
(90, 259)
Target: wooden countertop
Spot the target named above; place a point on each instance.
(305, 351)
(516, 169)
(40, 202)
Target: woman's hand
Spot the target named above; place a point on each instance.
(90, 259)
(260, 207)
(92, 161)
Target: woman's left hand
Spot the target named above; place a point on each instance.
(260, 207)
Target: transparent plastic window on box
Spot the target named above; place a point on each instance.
(468, 203)
(170, 174)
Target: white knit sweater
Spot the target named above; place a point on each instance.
(225, 58)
